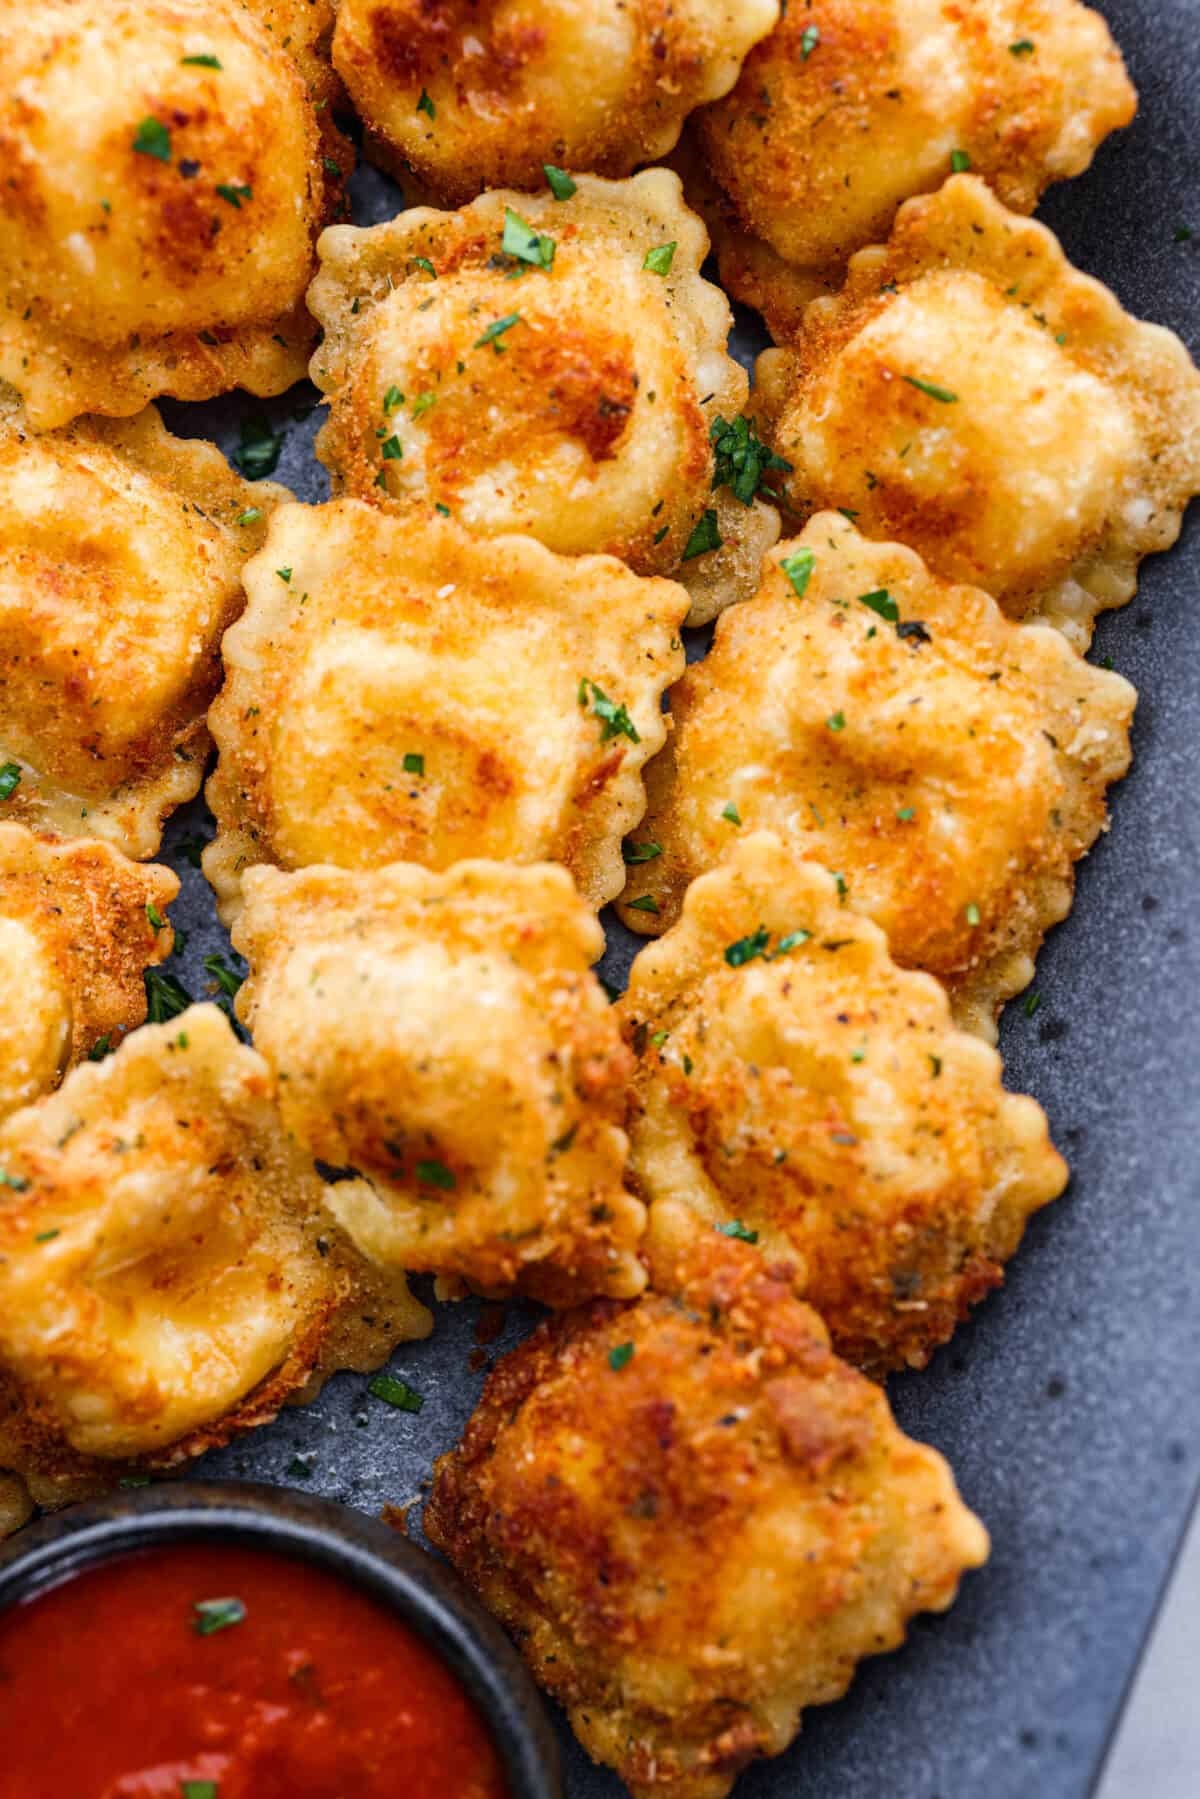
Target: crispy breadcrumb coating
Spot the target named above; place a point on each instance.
(695, 1519)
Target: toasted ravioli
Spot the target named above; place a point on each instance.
(169, 1274)
(121, 549)
(848, 109)
(950, 766)
(484, 93)
(695, 1519)
(401, 690)
(442, 1035)
(796, 1088)
(165, 178)
(78, 926)
(973, 395)
(522, 365)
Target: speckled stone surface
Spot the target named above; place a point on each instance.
(1070, 1408)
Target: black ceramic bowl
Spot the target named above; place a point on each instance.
(423, 1593)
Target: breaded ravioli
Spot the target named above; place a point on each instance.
(850, 108)
(948, 766)
(400, 690)
(551, 366)
(971, 394)
(443, 1036)
(79, 924)
(484, 93)
(165, 175)
(695, 1519)
(121, 550)
(169, 1273)
(796, 1089)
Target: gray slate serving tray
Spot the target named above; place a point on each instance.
(1070, 1407)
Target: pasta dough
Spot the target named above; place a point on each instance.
(695, 1519)
(121, 549)
(78, 925)
(401, 690)
(442, 1035)
(165, 178)
(950, 766)
(796, 1088)
(564, 375)
(483, 93)
(901, 400)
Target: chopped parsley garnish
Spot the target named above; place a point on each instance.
(793, 940)
(972, 914)
(436, 1174)
(423, 262)
(258, 452)
(836, 721)
(798, 569)
(250, 516)
(842, 886)
(103, 1046)
(200, 62)
(560, 183)
(1032, 1002)
(646, 902)
(960, 162)
(234, 192)
(285, 574)
(809, 40)
(331, 168)
(227, 979)
(730, 813)
(391, 449)
(425, 105)
(1024, 46)
(47, 1236)
(197, 1789)
(747, 948)
(213, 1615)
(932, 389)
(641, 852)
(414, 763)
(881, 602)
(422, 404)
(396, 1392)
(10, 779)
(527, 245)
(741, 459)
(660, 259)
(165, 996)
(153, 139)
(735, 1228)
(705, 536)
(154, 917)
(619, 1356)
(17, 1182)
(614, 720)
(904, 814)
(495, 332)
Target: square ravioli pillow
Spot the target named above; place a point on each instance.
(442, 1036)
(169, 1271)
(79, 925)
(971, 394)
(547, 364)
(797, 1090)
(400, 690)
(121, 551)
(695, 1520)
(948, 766)
(167, 169)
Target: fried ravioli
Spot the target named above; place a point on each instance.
(169, 1274)
(78, 926)
(555, 367)
(484, 93)
(696, 1520)
(849, 109)
(443, 1036)
(971, 394)
(166, 173)
(401, 690)
(797, 1089)
(948, 765)
(121, 549)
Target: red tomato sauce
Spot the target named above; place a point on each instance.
(115, 1686)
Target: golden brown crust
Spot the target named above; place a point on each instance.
(898, 404)
(696, 1520)
(586, 421)
(793, 1083)
(121, 549)
(168, 1272)
(178, 267)
(442, 1034)
(77, 931)
(847, 110)
(480, 663)
(949, 765)
(475, 95)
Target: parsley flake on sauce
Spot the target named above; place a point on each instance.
(10, 779)
(198, 1789)
(213, 1615)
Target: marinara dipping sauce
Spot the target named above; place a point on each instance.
(200, 1671)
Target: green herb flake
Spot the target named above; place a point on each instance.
(258, 452)
(960, 162)
(227, 979)
(495, 332)
(103, 1046)
(798, 568)
(559, 182)
(153, 139)
(422, 404)
(391, 449)
(436, 1174)
(620, 1356)
(1024, 46)
(17, 1182)
(251, 515)
(641, 852)
(747, 948)
(527, 245)
(741, 459)
(10, 779)
(196, 1789)
(165, 996)
(154, 917)
(396, 1392)
(731, 814)
(414, 763)
(932, 390)
(423, 262)
(793, 940)
(972, 914)
(1032, 1002)
(646, 902)
(213, 1615)
(905, 814)
(425, 105)
(809, 40)
(735, 1228)
(660, 259)
(200, 62)
(285, 574)
(836, 721)
(706, 535)
(614, 720)
(134, 1480)
(881, 603)
(47, 1236)
(234, 192)
(331, 168)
